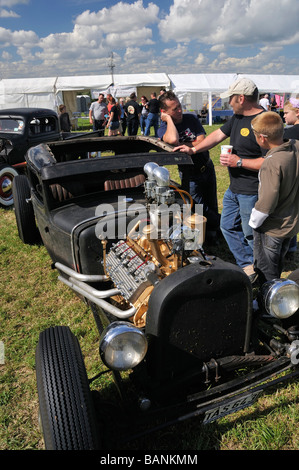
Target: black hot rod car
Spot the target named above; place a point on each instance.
(183, 333)
(20, 129)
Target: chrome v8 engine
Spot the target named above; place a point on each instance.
(128, 268)
(145, 257)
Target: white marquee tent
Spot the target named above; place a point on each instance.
(123, 85)
(51, 91)
(198, 84)
(209, 82)
(143, 83)
(28, 92)
(275, 83)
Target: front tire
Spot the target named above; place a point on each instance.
(66, 408)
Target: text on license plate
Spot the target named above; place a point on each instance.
(231, 407)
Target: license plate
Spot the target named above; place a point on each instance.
(231, 407)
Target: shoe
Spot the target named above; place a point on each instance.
(250, 272)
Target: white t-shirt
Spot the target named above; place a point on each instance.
(264, 102)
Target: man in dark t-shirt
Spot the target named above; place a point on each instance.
(64, 119)
(152, 119)
(243, 166)
(132, 111)
(176, 128)
(238, 128)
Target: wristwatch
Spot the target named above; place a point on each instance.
(239, 163)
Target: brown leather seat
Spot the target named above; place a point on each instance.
(71, 189)
(119, 182)
(67, 191)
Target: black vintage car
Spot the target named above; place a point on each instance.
(183, 333)
(20, 129)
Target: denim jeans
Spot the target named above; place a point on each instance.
(152, 120)
(98, 126)
(235, 226)
(269, 255)
(293, 245)
(143, 122)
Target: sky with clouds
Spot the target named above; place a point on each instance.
(40, 38)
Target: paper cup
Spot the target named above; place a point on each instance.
(226, 149)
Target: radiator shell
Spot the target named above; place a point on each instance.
(200, 312)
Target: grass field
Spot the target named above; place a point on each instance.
(32, 299)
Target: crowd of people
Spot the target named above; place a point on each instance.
(127, 114)
(259, 219)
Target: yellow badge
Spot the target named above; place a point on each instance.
(244, 132)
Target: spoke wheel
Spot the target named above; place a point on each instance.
(7, 174)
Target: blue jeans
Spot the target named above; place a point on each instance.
(235, 226)
(152, 120)
(293, 245)
(143, 122)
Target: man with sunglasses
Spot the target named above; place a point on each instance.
(243, 166)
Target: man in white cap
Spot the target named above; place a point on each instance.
(243, 165)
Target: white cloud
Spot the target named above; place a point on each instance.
(6, 55)
(137, 57)
(217, 48)
(178, 52)
(12, 3)
(200, 59)
(8, 14)
(121, 17)
(195, 36)
(96, 34)
(232, 22)
(267, 60)
(140, 36)
(17, 38)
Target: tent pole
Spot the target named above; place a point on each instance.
(210, 109)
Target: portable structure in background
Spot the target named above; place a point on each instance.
(193, 90)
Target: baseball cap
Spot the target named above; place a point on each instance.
(242, 86)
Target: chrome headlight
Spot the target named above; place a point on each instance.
(281, 297)
(122, 346)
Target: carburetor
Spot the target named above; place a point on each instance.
(157, 185)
